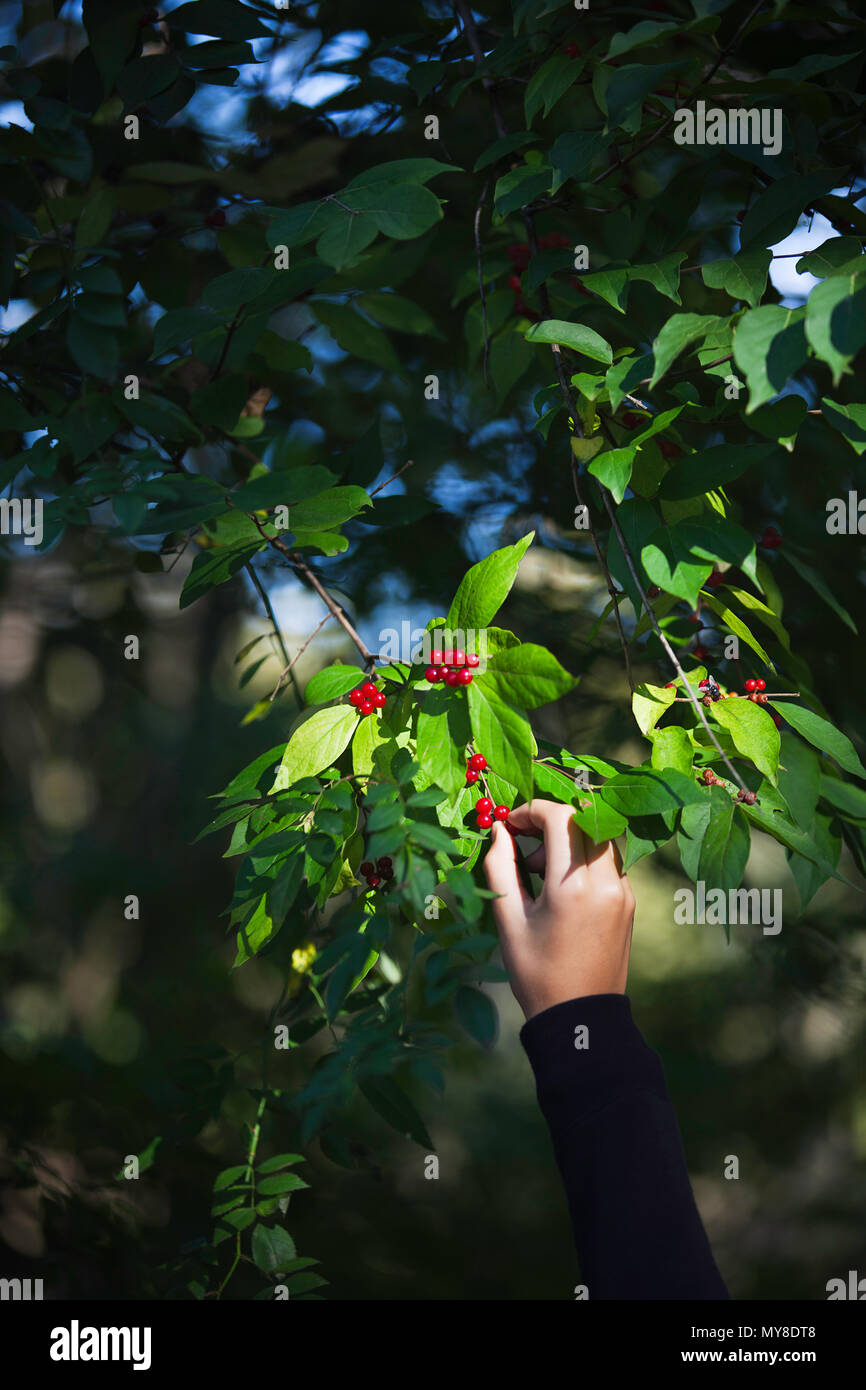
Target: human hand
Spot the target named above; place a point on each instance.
(574, 938)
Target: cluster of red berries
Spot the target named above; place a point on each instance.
(709, 779)
(451, 668)
(770, 540)
(749, 797)
(486, 812)
(755, 689)
(378, 873)
(367, 697)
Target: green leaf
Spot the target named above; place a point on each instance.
(223, 18)
(644, 791)
(477, 1013)
(822, 735)
(649, 703)
(573, 154)
(282, 1183)
(212, 567)
(738, 627)
(836, 321)
(272, 1247)
(754, 734)
(744, 277)
(572, 335)
(393, 1105)
(527, 675)
(506, 145)
(770, 347)
(178, 326)
(399, 210)
(663, 275)
(613, 468)
(679, 332)
(714, 840)
(505, 735)
(485, 587)
(849, 420)
(283, 487)
(328, 509)
(814, 580)
(598, 819)
(278, 1161)
(342, 243)
(92, 347)
(316, 744)
(443, 732)
(668, 560)
(829, 257)
(521, 186)
(229, 1176)
(671, 748)
(394, 311)
(549, 83)
(331, 683)
(712, 468)
(356, 335)
(776, 211)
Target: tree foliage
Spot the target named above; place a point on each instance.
(190, 300)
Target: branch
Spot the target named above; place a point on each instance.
(478, 257)
(300, 566)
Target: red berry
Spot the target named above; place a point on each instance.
(700, 653)
(715, 579)
(458, 658)
(501, 812)
(471, 777)
(484, 822)
(436, 657)
(750, 798)
(514, 283)
(217, 218)
(448, 658)
(519, 252)
(366, 707)
(380, 699)
(671, 685)
(431, 675)
(387, 873)
(472, 660)
(355, 698)
(630, 420)
(477, 762)
(669, 449)
(373, 881)
(571, 50)
(771, 540)
(368, 690)
(521, 307)
(751, 684)
(452, 678)
(483, 804)
(741, 214)
(367, 868)
(760, 684)
(464, 677)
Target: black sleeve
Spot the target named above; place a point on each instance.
(602, 1091)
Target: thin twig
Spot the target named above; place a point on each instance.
(262, 593)
(393, 477)
(300, 652)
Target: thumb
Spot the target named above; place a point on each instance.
(500, 870)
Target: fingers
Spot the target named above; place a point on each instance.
(500, 868)
(564, 844)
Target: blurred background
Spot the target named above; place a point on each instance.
(117, 1029)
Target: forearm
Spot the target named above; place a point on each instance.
(636, 1226)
